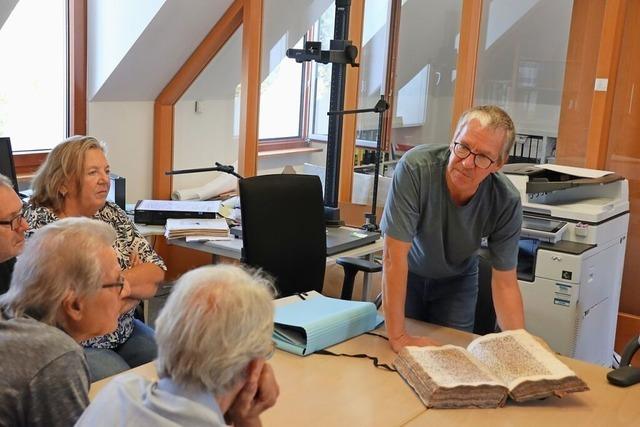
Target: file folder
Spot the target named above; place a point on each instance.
(304, 326)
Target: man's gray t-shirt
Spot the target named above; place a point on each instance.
(45, 378)
(445, 237)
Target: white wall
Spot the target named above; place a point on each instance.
(127, 129)
(112, 28)
(6, 7)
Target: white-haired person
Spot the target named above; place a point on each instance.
(73, 182)
(214, 337)
(12, 228)
(57, 298)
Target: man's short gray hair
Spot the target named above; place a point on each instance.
(493, 117)
(62, 256)
(5, 182)
(216, 320)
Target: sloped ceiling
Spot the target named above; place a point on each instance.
(154, 57)
(6, 7)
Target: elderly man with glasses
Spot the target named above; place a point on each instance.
(57, 298)
(214, 337)
(12, 229)
(442, 203)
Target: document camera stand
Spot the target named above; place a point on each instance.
(341, 53)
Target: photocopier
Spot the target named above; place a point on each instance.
(571, 256)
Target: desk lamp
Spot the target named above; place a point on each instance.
(626, 374)
(380, 107)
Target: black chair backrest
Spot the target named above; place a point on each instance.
(283, 229)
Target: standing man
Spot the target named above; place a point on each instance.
(12, 228)
(442, 202)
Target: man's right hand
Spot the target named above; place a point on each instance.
(397, 343)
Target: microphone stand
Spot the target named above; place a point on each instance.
(380, 107)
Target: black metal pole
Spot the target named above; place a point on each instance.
(336, 102)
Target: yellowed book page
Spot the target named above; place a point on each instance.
(516, 356)
(452, 366)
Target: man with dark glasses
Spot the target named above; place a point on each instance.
(12, 228)
(443, 201)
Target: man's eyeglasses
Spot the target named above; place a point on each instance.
(118, 284)
(15, 221)
(480, 160)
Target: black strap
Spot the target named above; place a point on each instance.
(375, 360)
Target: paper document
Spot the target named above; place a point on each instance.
(197, 229)
(579, 172)
(223, 183)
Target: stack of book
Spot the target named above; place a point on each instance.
(193, 229)
(492, 368)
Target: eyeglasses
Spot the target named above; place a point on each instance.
(480, 160)
(118, 284)
(16, 221)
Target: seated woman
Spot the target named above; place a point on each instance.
(57, 298)
(214, 338)
(74, 181)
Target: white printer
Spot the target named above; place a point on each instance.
(571, 256)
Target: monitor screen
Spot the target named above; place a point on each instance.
(7, 167)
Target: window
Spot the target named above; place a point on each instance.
(286, 111)
(33, 75)
(280, 97)
(521, 69)
(425, 73)
(321, 76)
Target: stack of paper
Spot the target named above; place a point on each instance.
(303, 326)
(193, 229)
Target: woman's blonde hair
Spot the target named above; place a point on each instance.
(64, 164)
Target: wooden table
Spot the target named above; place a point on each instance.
(322, 390)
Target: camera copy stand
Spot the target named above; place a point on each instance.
(217, 168)
(380, 107)
(341, 53)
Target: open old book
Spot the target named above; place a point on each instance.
(493, 367)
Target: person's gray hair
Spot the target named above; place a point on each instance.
(62, 256)
(5, 182)
(64, 164)
(493, 117)
(216, 320)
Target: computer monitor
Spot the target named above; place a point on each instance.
(7, 167)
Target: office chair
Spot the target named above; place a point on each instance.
(283, 232)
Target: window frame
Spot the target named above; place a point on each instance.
(27, 162)
(302, 140)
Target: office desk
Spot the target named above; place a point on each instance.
(328, 391)
(233, 249)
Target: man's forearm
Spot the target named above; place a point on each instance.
(394, 291)
(507, 301)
